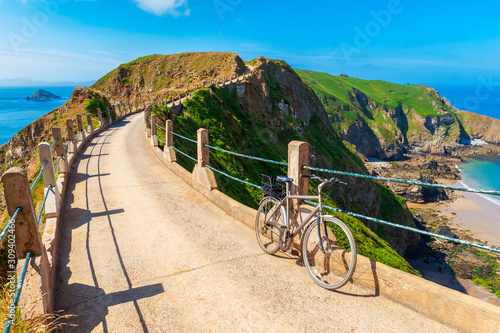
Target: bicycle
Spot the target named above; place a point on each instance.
(328, 247)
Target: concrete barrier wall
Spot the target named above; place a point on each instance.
(457, 310)
(38, 288)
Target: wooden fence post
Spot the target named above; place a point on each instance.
(99, 116)
(203, 152)
(72, 148)
(202, 177)
(90, 126)
(79, 123)
(154, 139)
(168, 152)
(59, 148)
(108, 115)
(27, 239)
(298, 158)
(53, 203)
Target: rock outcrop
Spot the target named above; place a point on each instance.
(41, 96)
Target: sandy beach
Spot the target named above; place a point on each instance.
(470, 211)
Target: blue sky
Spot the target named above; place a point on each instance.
(395, 40)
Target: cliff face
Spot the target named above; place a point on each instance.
(480, 127)
(387, 120)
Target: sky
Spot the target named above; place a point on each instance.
(58, 42)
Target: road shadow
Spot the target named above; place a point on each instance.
(89, 304)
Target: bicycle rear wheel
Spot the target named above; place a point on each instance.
(334, 267)
(268, 222)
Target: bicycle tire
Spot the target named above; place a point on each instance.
(334, 268)
(268, 234)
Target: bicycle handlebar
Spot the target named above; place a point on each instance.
(324, 180)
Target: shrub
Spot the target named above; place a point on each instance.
(95, 102)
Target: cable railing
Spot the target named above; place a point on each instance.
(246, 156)
(159, 139)
(57, 163)
(392, 224)
(11, 222)
(423, 232)
(13, 305)
(38, 177)
(183, 137)
(163, 128)
(53, 144)
(184, 154)
(43, 204)
(232, 177)
(67, 144)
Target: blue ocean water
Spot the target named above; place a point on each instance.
(478, 98)
(16, 113)
(481, 172)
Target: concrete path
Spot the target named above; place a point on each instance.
(141, 251)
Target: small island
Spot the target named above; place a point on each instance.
(41, 96)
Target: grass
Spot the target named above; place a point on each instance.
(486, 276)
(385, 93)
(29, 321)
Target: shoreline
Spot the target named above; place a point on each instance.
(469, 214)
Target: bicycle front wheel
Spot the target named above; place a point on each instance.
(331, 265)
(268, 224)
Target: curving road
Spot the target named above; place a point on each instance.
(141, 251)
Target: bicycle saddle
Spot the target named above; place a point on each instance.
(284, 179)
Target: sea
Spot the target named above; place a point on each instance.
(16, 113)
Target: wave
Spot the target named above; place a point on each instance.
(495, 201)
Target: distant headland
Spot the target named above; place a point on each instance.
(42, 95)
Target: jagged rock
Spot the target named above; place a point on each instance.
(445, 231)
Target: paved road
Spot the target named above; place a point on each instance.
(141, 251)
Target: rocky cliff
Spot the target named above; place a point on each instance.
(479, 127)
(388, 121)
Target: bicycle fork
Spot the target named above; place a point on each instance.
(320, 239)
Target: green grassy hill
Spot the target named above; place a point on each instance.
(386, 120)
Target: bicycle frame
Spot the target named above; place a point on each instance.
(286, 200)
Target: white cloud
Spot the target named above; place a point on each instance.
(161, 7)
